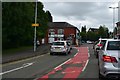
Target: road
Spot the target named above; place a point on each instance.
(91, 71)
(80, 63)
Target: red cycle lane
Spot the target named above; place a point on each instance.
(72, 68)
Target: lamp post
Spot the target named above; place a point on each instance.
(113, 18)
(35, 27)
(80, 26)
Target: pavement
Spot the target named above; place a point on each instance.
(42, 49)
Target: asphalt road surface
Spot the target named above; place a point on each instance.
(91, 71)
(80, 63)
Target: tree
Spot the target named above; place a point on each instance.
(17, 18)
(83, 29)
(49, 16)
(83, 33)
(103, 32)
(92, 36)
(83, 36)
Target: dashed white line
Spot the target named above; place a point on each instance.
(88, 49)
(85, 65)
(88, 52)
(62, 63)
(75, 54)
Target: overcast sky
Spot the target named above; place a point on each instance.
(91, 14)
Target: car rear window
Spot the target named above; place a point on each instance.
(58, 43)
(113, 45)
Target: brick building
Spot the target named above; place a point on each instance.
(62, 31)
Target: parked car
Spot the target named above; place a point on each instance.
(89, 42)
(62, 47)
(109, 59)
(97, 45)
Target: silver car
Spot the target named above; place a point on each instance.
(61, 47)
(109, 59)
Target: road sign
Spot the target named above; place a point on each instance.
(35, 25)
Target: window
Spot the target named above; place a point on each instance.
(60, 31)
(113, 45)
(51, 31)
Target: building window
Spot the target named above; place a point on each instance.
(60, 31)
(51, 33)
(51, 30)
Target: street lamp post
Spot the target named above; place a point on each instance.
(35, 27)
(113, 18)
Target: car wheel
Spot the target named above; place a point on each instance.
(101, 77)
(66, 53)
(69, 51)
(96, 54)
(51, 53)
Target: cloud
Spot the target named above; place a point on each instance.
(92, 14)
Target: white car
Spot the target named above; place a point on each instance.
(61, 47)
(109, 59)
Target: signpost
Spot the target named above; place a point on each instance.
(35, 25)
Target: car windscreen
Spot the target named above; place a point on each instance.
(58, 43)
(113, 45)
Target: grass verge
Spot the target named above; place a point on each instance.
(15, 50)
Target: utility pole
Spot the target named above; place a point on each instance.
(113, 18)
(35, 25)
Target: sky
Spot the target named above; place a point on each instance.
(80, 13)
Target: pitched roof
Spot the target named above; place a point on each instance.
(118, 23)
(93, 29)
(59, 24)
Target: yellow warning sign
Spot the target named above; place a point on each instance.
(35, 25)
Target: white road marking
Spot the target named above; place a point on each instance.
(23, 66)
(62, 63)
(35, 57)
(88, 55)
(75, 54)
(70, 72)
(85, 65)
(88, 52)
(88, 49)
